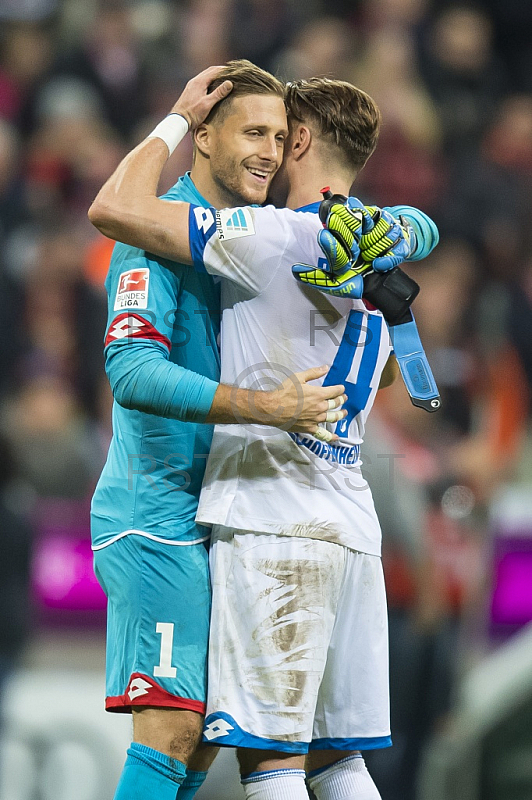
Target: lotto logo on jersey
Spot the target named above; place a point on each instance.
(132, 291)
(133, 326)
(234, 223)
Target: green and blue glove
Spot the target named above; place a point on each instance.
(358, 239)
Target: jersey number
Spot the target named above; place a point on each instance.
(357, 337)
(165, 669)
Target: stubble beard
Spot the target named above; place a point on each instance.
(229, 178)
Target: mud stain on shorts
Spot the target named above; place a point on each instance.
(285, 643)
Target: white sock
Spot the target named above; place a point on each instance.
(276, 784)
(347, 779)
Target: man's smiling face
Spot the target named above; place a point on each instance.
(246, 147)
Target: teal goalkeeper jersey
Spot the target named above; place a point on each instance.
(162, 361)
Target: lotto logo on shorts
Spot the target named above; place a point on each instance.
(137, 688)
(132, 289)
(216, 729)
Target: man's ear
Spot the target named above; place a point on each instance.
(301, 138)
(202, 139)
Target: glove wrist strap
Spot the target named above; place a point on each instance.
(393, 293)
(414, 366)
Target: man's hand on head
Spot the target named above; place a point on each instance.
(127, 208)
(195, 103)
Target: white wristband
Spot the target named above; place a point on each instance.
(172, 130)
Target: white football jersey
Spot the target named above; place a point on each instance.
(259, 478)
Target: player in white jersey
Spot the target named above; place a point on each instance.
(271, 326)
(299, 644)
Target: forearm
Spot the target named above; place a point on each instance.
(127, 209)
(425, 229)
(151, 384)
(232, 405)
(144, 380)
(295, 405)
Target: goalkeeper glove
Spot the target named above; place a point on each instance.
(358, 239)
(348, 225)
(349, 283)
(387, 241)
(355, 240)
(371, 237)
(341, 272)
(411, 237)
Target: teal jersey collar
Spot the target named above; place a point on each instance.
(188, 184)
(185, 186)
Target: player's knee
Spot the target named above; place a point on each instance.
(319, 759)
(203, 757)
(262, 760)
(174, 732)
(347, 777)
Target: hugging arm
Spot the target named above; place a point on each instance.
(127, 208)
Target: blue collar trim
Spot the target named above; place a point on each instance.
(311, 207)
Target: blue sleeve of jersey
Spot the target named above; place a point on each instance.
(143, 295)
(201, 226)
(142, 379)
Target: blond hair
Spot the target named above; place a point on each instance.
(247, 79)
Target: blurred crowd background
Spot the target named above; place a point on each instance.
(82, 83)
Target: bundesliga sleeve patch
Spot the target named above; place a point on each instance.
(234, 223)
(132, 291)
(133, 326)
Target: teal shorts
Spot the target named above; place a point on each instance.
(157, 623)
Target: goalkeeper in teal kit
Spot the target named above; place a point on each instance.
(162, 361)
(146, 499)
(142, 551)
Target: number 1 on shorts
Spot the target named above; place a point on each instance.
(165, 669)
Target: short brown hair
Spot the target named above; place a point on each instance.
(247, 78)
(341, 113)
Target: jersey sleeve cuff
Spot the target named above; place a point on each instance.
(200, 405)
(424, 227)
(197, 235)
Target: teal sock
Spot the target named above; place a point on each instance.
(149, 775)
(191, 784)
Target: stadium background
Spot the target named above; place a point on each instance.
(80, 84)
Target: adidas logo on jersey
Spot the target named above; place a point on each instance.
(237, 222)
(234, 224)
